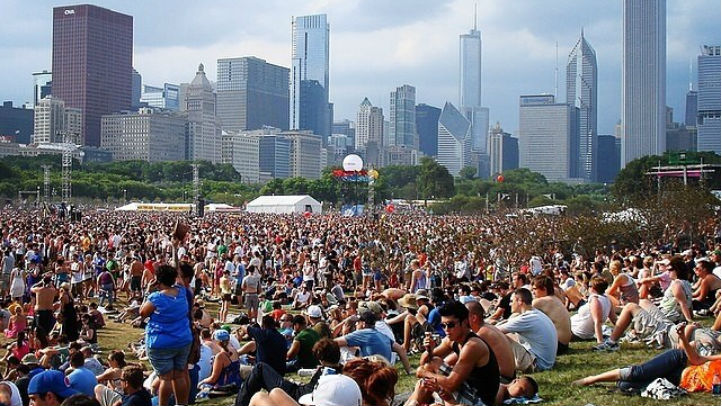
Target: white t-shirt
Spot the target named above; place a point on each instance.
(583, 324)
(205, 363)
(537, 334)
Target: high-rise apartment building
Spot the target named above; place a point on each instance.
(92, 63)
(205, 137)
(427, 126)
(402, 118)
(49, 121)
(644, 58)
(252, 93)
(708, 99)
(369, 125)
(454, 140)
(54, 121)
(148, 135)
(582, 94)
(548, 139)
(503, 151)
(309, 108)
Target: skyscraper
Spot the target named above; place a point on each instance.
(454, 149)
(427, 126)
(92, 63)
(205, 137)
(470, 97)
(503, 151)
(644, 54)
(402, 118)
(708, 99)
(582, 93)
(309, 107)
(252, 93)
(369, 125)
(548, 142)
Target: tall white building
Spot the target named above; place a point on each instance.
(148, 135)
(53, 120)
(205, 138)
(548, 142)
(370, 133)
(582, 93)
(708, 99)
(49, 120)
(309, 107)
(454, 141)
(470, 97)
(241, 150)
(644, 53)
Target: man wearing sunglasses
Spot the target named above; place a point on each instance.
(474, 377)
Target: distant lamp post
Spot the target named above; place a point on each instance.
(125, 195)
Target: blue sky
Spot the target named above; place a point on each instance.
(377, 45)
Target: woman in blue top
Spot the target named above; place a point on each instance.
(168, 335)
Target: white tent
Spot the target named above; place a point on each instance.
(284, 205)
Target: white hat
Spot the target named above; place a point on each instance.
(333, 390)
(314, 311)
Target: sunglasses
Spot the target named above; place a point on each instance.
(448, 326)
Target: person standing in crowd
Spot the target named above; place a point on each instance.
(168, 335)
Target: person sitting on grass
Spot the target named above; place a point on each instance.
(226, 364)
(648, 320)
(474, 378)
(682, 367)
(130, 393)
(263, 376)
(588, 321)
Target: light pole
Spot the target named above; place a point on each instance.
(125, 195)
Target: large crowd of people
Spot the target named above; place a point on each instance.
(344, 301)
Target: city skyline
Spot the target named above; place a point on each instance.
(376, 46)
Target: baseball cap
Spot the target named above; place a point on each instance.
(333, 390)
(370, 306)
(314, 311)
(221, 335)
(51, 381)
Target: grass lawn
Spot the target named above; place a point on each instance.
(555, 387)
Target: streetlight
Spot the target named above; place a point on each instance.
(125, 195)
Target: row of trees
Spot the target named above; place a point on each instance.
(172, 181)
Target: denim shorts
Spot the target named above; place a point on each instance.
(165, 360)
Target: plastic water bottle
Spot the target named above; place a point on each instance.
(715, 385)
(306, 371)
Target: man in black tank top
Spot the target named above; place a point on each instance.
(474, 377)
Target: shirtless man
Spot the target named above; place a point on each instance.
(136, 275)
(495, 339)
(45, 295)
(706, 287)
(474, 377)
(552, 306)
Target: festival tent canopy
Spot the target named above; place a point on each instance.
(284, 205)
